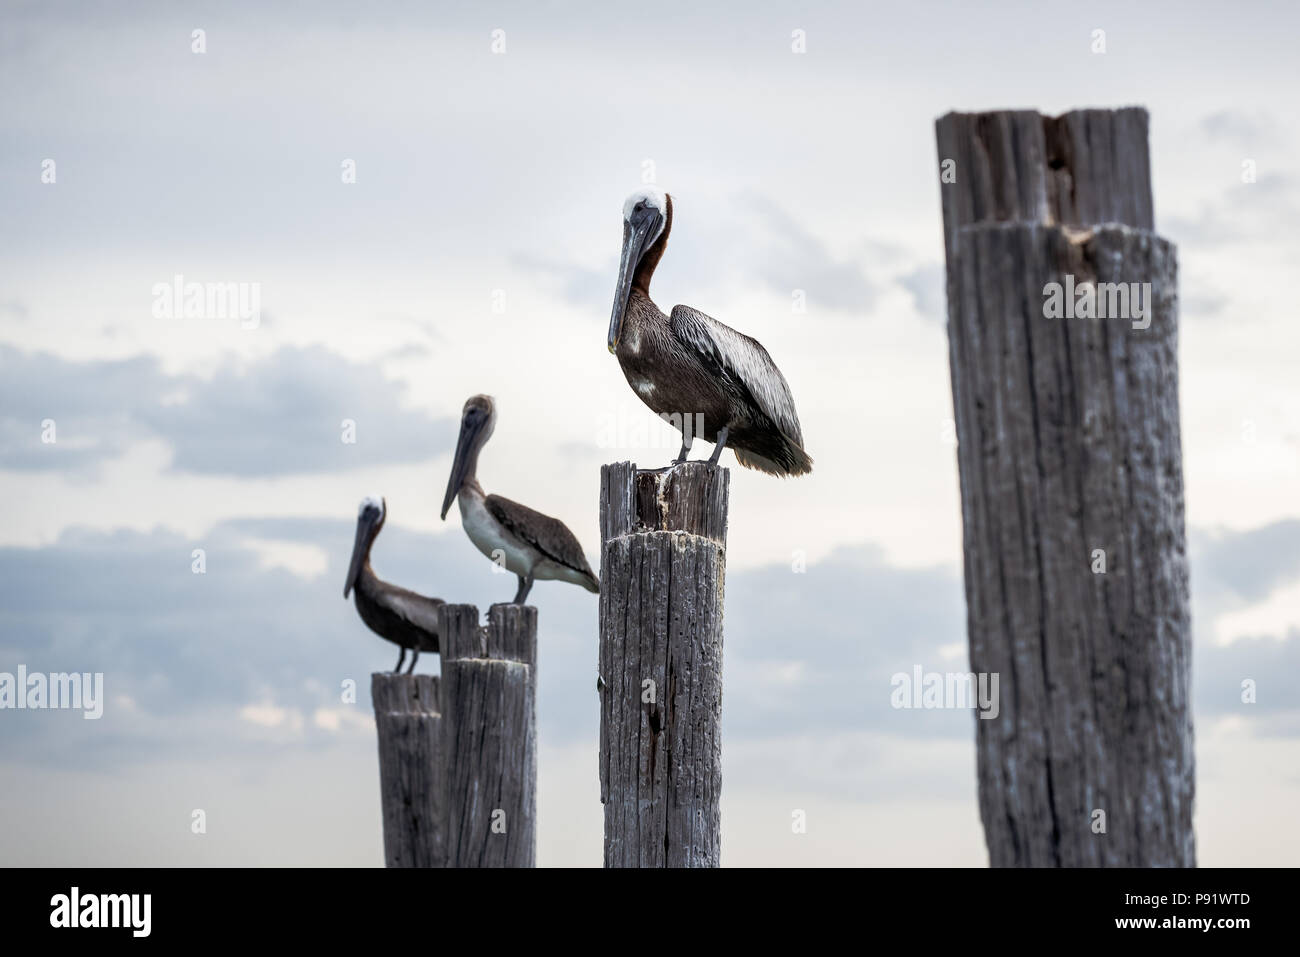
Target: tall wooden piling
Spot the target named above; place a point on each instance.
(458, 755)
(1070, 459)
(663, 572)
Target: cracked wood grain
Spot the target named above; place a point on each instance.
(663, 571)
(1069, 445)
(458, 754)
(408, 721)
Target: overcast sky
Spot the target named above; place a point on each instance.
(476, 252)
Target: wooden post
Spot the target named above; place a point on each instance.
(458, 755)
(489, 686)
(409, 725)
(663, 572)
(1071, 487)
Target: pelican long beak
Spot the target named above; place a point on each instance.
(636, 237)
(365, 529)
(466, 452)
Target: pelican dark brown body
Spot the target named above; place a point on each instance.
(693, 370)
(409, 620)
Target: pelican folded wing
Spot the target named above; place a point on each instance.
(548, 535)
(743, 361)
(417, 610)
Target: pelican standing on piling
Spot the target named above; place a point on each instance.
(406, 619)
(532, 545)
(691, 368)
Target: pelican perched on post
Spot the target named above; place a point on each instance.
(406, 619)
(530, 544)
(709, 380)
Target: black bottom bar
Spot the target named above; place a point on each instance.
(327, 906)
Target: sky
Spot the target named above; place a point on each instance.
(491, 147)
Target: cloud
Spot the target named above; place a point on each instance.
(1269, 664)
(1247, 565)
(254, 648)
(1200, 301)
(411, 350)
(255, 656)
(270, 716)
(586, 288)
(245, 656)
(14, 309)
(1237, 126)
(1240, 576)
(816, 651)
(790, 257)
(280, 415)
(928, 286)
(1258, 211)
(251, 655)
(80, 398)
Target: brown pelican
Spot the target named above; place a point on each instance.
(403, 617)
(530, 544)
(708, 379)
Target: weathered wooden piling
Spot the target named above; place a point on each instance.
(1071, 486)
(663, 572)
(409, 725)
(458, 755)
(489, 685)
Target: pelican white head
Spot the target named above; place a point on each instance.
(649, 196)
(370, 519)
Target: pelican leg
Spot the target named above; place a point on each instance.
(525, 586)
(414, 658)
(397, 669)
(687, 441)
(721, 444)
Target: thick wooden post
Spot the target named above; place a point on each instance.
(1071, 487)
(458, 755)
(409, 723)
(663, 572)
(489, 696)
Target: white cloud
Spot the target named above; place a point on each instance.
(1274, 617)
(336, 720)
(272, 716)
(305, 561)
